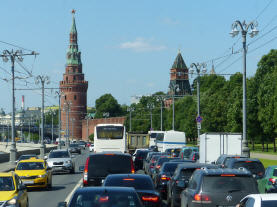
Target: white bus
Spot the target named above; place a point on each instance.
(155, 135)
(109, 137)
(171, 139)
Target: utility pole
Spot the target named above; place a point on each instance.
(200, 69)
(150, 107)
(13, 56)
(43, 80)
(67, 106)
(243, 26)
(130, 110)
(60, 94)
(52, 129)
(72, 121)
(175, 88)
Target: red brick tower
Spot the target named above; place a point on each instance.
(74, 88)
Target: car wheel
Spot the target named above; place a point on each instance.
(72, 171)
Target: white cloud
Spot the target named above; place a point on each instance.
(141, 45)
(170, 21)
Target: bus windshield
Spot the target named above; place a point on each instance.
(110, 132)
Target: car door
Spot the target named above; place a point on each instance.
(22, 196)
(262, 182)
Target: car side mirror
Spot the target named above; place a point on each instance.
(62, 204)
(22, 187)
(81, 168)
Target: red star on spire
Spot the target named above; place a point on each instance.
(73, 11)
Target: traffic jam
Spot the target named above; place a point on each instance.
(156, 176)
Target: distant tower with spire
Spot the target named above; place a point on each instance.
(179, 79)
(74, 87)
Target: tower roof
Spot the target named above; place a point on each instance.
(179, 62)
(73, 54)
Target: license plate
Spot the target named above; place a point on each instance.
(58, 168)
(28, 182)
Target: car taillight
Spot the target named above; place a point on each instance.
(164, 177)
(152, 161)
(150, 198)
(193, 157)
(158, 166)
(132, 166)
(271, 180)
(201, 198)
(85, 178)
(151, 166)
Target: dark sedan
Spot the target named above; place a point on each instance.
(74, 148)
(143, 185)
(103, 197)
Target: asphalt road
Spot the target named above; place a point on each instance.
(63, 184)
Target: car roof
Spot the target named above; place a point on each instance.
(110, 153)
(105, 189)
(264, 197)
(195, 165)
(32, 159)
(129, 176)
(59, 150)
(224, 171)
(244, 159)
(6, 174)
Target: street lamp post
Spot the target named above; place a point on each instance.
(175, 89)
(67, 105)
(200, 69)
(150, 107)
(43, 80)
(130, 110)
(72, 121)
(52, 130)
(59, 94)
(161, 99)
(243, 26)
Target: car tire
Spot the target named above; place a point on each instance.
(72, 171)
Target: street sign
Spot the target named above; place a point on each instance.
(199, 119)
(198, 125)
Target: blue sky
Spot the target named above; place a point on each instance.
(128, 47)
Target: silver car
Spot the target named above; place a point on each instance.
(61, 161)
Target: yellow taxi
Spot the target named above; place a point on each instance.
(12, 191)
(34, 173)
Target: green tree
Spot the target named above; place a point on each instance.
(107, 104)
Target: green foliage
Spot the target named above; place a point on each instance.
(107, 104)
(91, 137)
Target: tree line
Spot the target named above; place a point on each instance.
(220, 106)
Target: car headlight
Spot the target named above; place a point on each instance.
(42, 176)
(68, 162)
(12, 201)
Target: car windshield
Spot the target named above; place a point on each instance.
(228, 184)
(109, 199)
(275, 172)
(137, 183)
(169, 167)
(6, 184)
(269, 203)
(59, 154)
(142, 154)
(30, 166)
(185, 174)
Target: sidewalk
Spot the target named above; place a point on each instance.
(263, 156)
(6, 167)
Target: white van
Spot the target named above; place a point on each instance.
(171, 139)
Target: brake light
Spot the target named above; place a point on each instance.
(153, 161)
(150, 198)
(132, 167)
(104, 199)
(272, 180)
(228, 175)
(248, 161)
(151, 166)
(201, 198)
(158, 166)
(164, 177)
(85, 178)
(193, 157)
(128, 179)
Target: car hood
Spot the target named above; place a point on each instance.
(29, 172)
(7, 195)
(63, 159)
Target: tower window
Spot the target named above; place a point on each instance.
(66, 79)
(75, 97)
(74, 77)
(64, 97)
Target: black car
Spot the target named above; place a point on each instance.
(103, 197)
(180, 179)
(99, 165)
(139, 158)
(142, 183)
(159, 163)
(164, 176)
(74, 148)
(222, 159)
(218, 187)
(255, 166)
(152, 164)
(146, 162)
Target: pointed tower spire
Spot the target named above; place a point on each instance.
(179, 62)
(212, 72)
(73, 54)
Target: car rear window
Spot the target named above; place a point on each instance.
(253, 166)
(88, 199)
(6, 184)
(137, 183)
(142, 154)
(228, 184)
(170, 167)
(275, 172)
(268, 203)
(187, 153)
(102, 165)
(186, 173)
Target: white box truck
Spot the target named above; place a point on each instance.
(212, 145)
(171, 139)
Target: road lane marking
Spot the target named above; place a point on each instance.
(71, 193)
